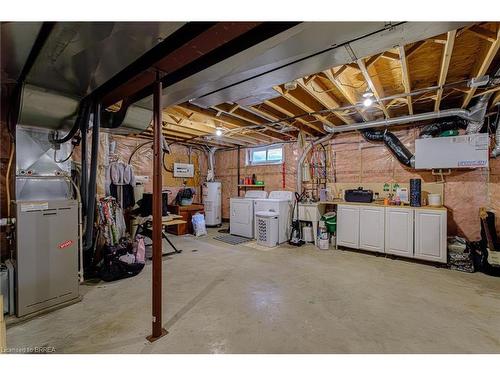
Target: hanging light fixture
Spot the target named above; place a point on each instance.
(218, 132)
(367, 98)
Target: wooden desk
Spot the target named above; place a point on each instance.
(185, 213)
(174, 222)
(168, 219)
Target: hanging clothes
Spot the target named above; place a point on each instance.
(110, 220)
(121, 180)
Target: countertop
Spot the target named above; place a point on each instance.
(378, 203)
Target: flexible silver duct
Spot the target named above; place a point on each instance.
(211, 164)
(475, 116)
(496, 149)
(478, 111)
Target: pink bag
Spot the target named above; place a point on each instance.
(140, 249)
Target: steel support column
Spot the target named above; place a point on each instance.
(157, 329)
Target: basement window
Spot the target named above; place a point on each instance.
(265, 155)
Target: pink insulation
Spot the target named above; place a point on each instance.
(142, 161)
(226, 171)
(357, 160)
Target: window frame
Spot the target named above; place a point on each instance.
(250, 151)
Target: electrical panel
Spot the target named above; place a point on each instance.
(183, 170)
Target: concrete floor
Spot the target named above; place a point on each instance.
(235, 299)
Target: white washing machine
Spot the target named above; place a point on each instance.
(279, 202)
(241, 221)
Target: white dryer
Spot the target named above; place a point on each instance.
(241, 221)
(279, 202)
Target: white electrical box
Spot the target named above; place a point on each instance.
(183, 170)
(463, 151)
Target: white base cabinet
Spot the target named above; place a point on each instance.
(408, 232)
(348, 232)
(430, 235)
(399, 231)
(371, 228)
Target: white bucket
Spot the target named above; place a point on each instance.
(434, 200)
(307, 234)
(323, 244)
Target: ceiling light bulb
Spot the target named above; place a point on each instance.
(218, 132)
(367, 102)
(367, 94)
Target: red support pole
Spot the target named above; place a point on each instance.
(158, 330)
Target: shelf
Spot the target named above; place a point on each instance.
(251, 185)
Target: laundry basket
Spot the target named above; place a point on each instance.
(266, 224)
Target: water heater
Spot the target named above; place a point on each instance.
(212, 201)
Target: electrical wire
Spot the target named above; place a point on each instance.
(62, 161)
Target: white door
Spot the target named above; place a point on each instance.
(399, 231)
(241, 219)
(371, 228)
(348, 226)
(430, 235)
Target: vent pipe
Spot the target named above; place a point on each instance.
(496, 150)
(211, 164)
(475, 115)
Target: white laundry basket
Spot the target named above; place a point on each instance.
(267, 228)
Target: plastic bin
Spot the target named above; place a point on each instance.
(331, 223)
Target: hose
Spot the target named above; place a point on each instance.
(84, 169)
(62, 161)
(7, 177)
(82, 115)
(92, 179)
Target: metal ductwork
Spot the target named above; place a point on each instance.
(211, 164)
(308, 48)
(58, 64)
(476, 116)
(496, 149)
(47, 109)
(478, 111)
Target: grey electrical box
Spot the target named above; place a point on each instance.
(47, 254)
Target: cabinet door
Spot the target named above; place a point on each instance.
(371, 228)
(348, 226)
(430, 235)
(399, 231)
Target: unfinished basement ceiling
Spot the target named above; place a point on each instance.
(277, 114)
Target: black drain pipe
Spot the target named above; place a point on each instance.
(92, 178)
(397, 148)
